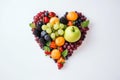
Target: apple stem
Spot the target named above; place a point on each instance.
(73, 29)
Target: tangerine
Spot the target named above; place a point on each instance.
(55, 54)
(59, 41)
(72, 16)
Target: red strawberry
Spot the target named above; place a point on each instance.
(47, 53)
(60, 49)
(46, 19)
(52, 14)
(60, 65)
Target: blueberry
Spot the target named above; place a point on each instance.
(38, 25)
(43, 33)
(36, 33)
(47, 37)
(63, 20)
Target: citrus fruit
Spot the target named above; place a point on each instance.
(55, 54)
(72, 16)
(60, 41)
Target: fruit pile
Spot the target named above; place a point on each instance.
(59, 37)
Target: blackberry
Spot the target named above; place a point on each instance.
(42, 41)
(36, 33)
(63, 20)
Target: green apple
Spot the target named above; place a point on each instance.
(72, 34)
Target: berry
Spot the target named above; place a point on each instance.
(52, 14)
(38, 25)
(46, 19)
(36, 33)
(43, 33)
(47, 38)
(63, 20)
(42, 41)
(47, 53)
(60, 65)
(60, 49)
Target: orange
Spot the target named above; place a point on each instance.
(55, 54)
(59, 41)
(72, 16)
(61, 60)
(54, 20)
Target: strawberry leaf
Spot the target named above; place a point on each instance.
(46, 48)
(65, 53)
(85, 23)
(48, 43)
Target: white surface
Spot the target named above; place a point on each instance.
(97, 59)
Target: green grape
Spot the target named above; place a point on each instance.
(48, 30)
(56, 26)
(60, 32)
(52, 36)
(56, 33)
(49, 24)
(44, 27)
(62, 26)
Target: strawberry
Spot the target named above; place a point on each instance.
(46, 19)
(60, 65)
(52, 14)
(47, 53)
(60, 49)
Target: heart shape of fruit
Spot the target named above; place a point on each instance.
(59, 37)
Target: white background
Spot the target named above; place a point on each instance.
(97, 59)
